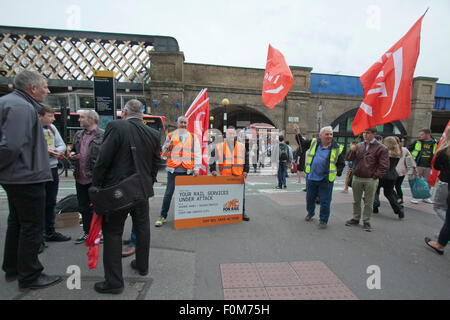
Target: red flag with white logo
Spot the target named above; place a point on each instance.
(432, 178)
(198, 117)
(388, 83)
(278, 79)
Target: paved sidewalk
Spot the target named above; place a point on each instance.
(203, 263)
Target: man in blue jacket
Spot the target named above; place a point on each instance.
(325, 161)
(24, 170)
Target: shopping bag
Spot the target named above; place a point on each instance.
(294, 167)
(419, 188)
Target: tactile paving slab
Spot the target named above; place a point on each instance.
(314, 272)
(245, 294)
(299, 280)
(240, 275)
(317, 292)
(277, 274)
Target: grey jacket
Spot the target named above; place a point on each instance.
(23, 149)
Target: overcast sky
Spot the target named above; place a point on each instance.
(336, 37)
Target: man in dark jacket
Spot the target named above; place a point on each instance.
(325, 161)
(85, 148)
(114, 164)
(371, 162)
(24, 170)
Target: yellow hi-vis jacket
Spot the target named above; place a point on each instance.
(334, 155)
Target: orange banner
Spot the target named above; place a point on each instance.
(207, 201)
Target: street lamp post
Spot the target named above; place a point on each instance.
(225, 102)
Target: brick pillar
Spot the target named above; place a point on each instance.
(422, 102)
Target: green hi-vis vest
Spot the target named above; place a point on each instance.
(418, 148)
(334, 155)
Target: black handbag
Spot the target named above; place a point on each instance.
(122, 197)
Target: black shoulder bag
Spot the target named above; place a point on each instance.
(123, 196)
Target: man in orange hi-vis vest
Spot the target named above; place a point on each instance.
(231, 157)
(184, 157)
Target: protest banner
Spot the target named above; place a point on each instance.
(207, 201)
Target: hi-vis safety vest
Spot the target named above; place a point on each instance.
(231, 164)
(181, 153)
(334, 155)
(418, 149)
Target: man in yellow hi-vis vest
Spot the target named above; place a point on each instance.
(423, 151)
(325, 161)
(231, 157)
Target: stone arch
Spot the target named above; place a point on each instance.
(239, 116)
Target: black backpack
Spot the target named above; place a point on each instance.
(67, 204)
(284, 152)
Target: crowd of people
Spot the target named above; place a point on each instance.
(30, 145)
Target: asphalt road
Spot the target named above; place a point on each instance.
(186, 264)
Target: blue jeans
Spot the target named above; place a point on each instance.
(170, 189)
(444, 235)
(322, 189)
(282, 168)
(132, 238)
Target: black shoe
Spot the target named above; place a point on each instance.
(43, 281)
(308, 217)
(375, 210)
(245, 217)
(103, 287)
(134, 266)
(284, 186)
(427, 241)
(401, 214)
(278, 187)
(82, 239)
(56, 237)
(42, 247)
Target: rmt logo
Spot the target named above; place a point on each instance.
(231, 206)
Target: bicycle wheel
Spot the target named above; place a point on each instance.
(61, 166)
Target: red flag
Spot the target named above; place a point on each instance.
(388, 83)
(432, 178)
(198, 116)
(93, 240)
(278, 79)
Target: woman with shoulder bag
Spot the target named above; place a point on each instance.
(406, 166)
(387, 182)
(442, 163)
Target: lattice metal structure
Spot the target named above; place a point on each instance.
(74, 55)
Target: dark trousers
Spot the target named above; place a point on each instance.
(322, 189)
(282, 168)
(84, 204)
(444, 235)
(170, 189)
(398, 187)
(112, 228)
(389, 193)
(24, 233)
(51, 192)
